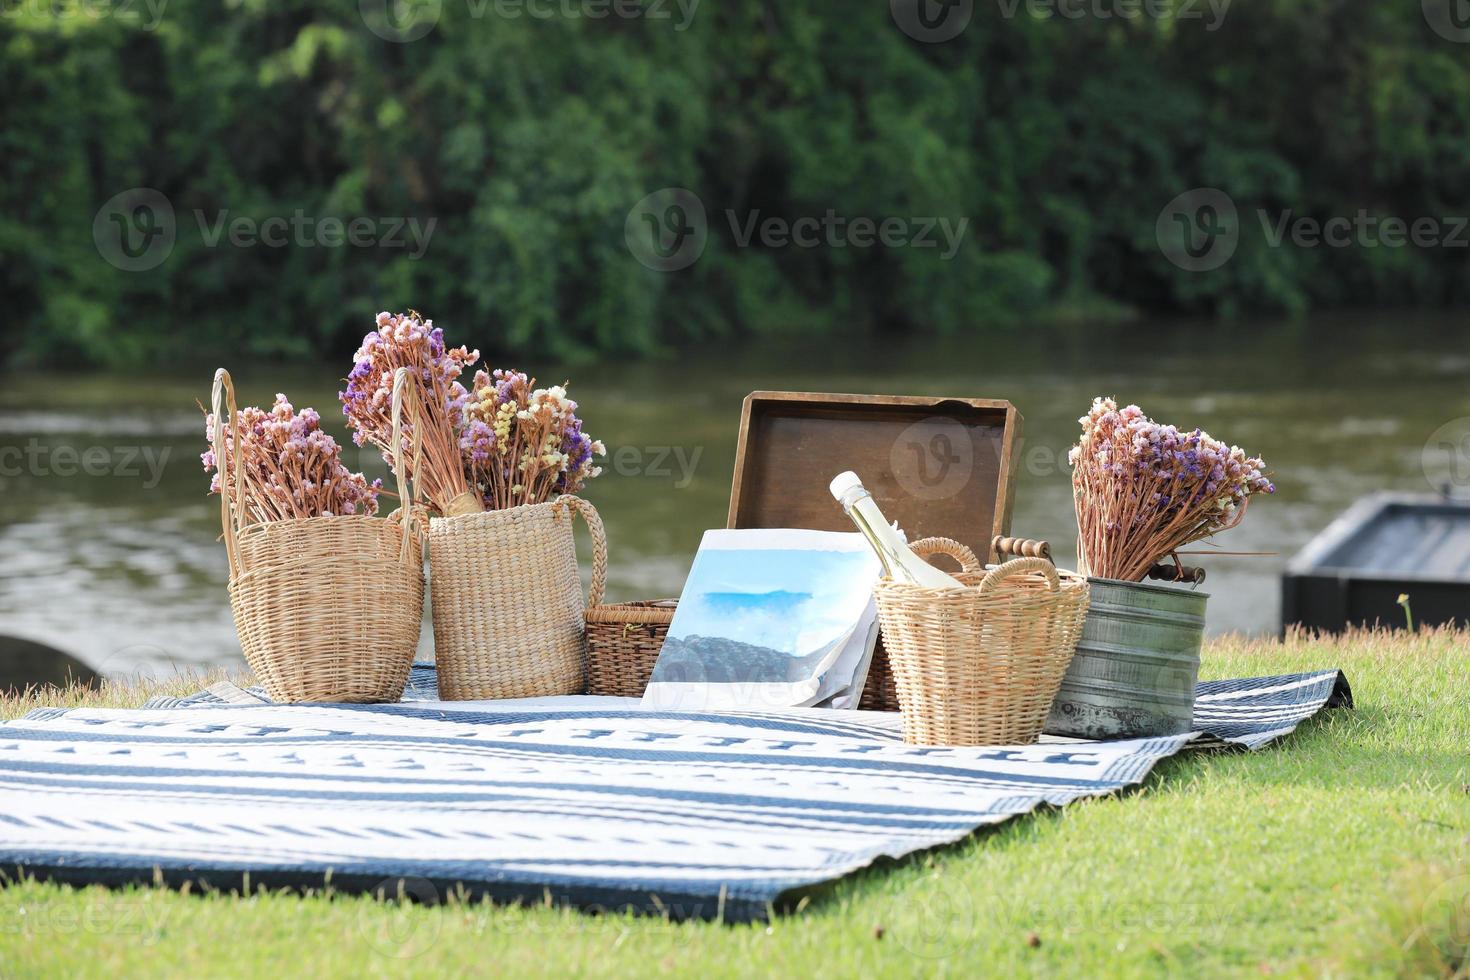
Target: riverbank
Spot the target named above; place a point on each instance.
(1343, 850)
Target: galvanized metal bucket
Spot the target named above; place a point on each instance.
(1136, 664)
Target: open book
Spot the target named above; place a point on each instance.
(770, 619)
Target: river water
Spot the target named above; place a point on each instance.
(108, 543)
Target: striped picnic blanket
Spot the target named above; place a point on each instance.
(586, 800)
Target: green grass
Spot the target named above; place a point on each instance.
(1343, 851)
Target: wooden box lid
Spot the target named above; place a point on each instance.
(937, 466)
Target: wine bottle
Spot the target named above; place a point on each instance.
(899, 563)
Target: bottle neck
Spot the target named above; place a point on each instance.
(869, 521)
(900, 564)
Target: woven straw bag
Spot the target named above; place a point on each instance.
(623, 642)
(326, 608)
(981, 665)
(507, 600)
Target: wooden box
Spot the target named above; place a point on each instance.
(940, 467)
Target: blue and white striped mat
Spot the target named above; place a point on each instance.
(585, 800)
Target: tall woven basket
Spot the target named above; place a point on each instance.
(326, 608)
(507, 600)
(981, 665)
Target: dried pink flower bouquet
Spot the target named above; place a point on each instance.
(289, 467)
(1143, 490)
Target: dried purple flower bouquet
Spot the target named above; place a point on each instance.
(407, 340)
(503, 444)
(1143, 490)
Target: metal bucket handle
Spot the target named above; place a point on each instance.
(1017, 566)
(1020, 547)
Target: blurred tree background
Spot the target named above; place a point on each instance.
(528, 140)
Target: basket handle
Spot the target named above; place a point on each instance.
(1016, 566)
(231, 515)
(925, 547)
(599, 545)
(404, 388)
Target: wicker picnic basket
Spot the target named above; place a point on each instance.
(981, 665)
(326, 608)
(623, 642)
(881, 691)
(507, 602)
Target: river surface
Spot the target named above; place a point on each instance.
(108, 542)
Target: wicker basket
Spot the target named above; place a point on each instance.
(327, 608)
(881, 692)
(981, 665)
(507, 600)
(623, 642)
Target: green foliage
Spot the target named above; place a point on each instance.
(526, 140)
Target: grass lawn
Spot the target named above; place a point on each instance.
(1342, 851)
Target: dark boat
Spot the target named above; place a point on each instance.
(1385, 546)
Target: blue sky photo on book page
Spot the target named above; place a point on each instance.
(764, 616)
